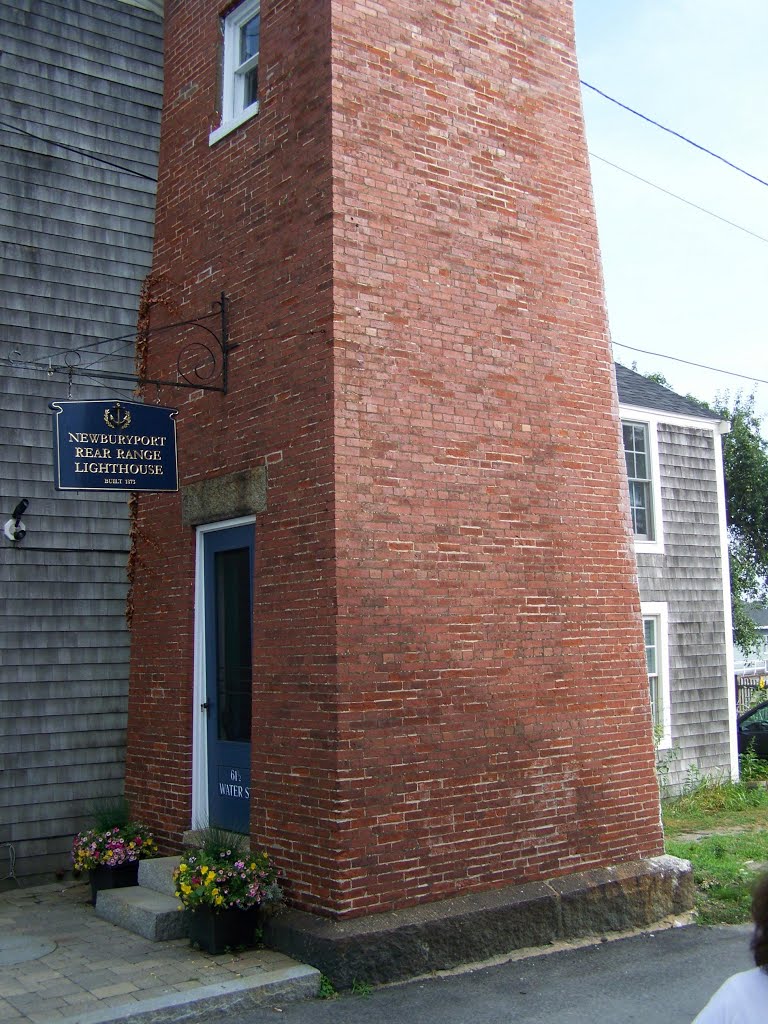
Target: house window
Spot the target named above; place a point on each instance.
(637, 456)
(240, 74)
(655, 633)
(651, 634)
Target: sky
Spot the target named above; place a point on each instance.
(679, 282)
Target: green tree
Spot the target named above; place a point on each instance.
(745, 458)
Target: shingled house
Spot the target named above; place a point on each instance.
(82, 84)
(673, 454)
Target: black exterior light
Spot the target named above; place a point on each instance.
(14, 529)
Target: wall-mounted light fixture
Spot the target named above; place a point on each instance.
(14, 529)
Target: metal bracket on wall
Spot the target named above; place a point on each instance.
(201, 363)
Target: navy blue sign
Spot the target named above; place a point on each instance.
(114, 446)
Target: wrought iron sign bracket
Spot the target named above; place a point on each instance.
(201, 364)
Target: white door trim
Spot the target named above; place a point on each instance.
(199, 718)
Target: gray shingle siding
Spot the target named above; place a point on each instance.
(76, 238)
(688, 575)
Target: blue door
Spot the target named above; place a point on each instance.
(228, 575)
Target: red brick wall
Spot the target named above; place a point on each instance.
(249, 216)
(450, 687)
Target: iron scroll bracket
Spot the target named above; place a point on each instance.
(201, 363)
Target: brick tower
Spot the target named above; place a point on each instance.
(420, 438)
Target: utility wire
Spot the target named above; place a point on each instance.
(80, 152)
(674, 195)
(699, 366)
(677, 135)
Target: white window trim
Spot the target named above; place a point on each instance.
(230, 117)
(659, 611)
(730, 689)
(651, 423)
(199, 719)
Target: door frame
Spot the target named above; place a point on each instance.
(200, 807)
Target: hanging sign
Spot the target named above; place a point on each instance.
(114, 446)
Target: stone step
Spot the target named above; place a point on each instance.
(143, 911)
(157, 873)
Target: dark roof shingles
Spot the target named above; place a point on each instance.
(634, 389)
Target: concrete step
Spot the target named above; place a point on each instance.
(157, 873)
(143, 911)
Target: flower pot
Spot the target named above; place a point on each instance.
(119, 877)
(217, 931)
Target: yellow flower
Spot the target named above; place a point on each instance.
(203, 868)
(183, 867)
(211, 876)
(186, 888)
(219, 900)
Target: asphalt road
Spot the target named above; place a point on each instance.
(660, 978)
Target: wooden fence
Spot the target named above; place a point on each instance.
(751, 688)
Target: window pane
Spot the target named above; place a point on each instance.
(650, 634)
(233, 643)
(635, 439)
(249, 39)
(250, 87)
(653, 682)
(638, 502)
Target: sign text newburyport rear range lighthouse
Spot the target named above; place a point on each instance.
(114, 445)
(394, 598)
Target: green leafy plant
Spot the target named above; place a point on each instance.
(114, 812)
(751, 767)
(361, 988)
(725, 867)
(212, 839)
(326, 990)
(716, 803)
(721, 827)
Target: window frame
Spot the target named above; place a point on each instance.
(655, 543)
(233, 113)
(657, 612)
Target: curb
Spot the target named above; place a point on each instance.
(286, 985)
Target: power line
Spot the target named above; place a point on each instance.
(677, 135)
(80, 152)
(674, 195)
(699, 366)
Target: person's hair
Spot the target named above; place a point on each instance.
(759, 942)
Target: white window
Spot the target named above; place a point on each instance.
(240, 73)
(655, 633)
(642, 462)
(638, 460)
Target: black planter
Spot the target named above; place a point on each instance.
(119, 877)
(217, 931)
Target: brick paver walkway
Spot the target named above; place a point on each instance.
(88, 965)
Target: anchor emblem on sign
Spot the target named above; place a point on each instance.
(117, 417)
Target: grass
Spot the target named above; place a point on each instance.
(731, 850)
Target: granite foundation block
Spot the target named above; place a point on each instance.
(438, 936)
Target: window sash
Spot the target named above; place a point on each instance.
(241, 62)
(637, 458)
(651, 634)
